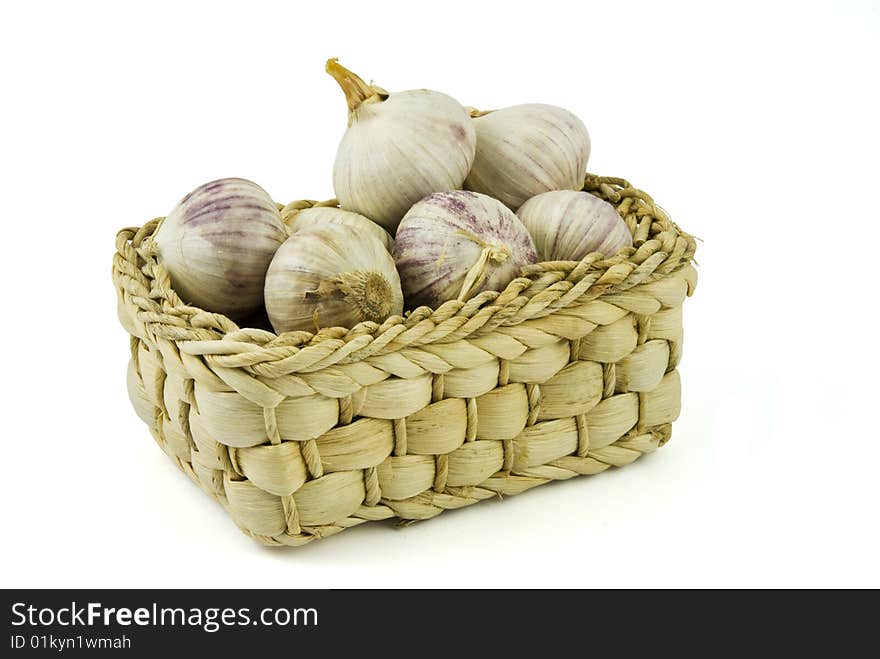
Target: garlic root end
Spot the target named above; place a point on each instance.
(368, 291)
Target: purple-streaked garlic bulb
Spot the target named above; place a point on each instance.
(398, 148)
(567, 225)
(331, 275)
(453, 245)
(298, 220)
(217, 243)
(525, 150)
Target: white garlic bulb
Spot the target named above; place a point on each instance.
(567, 225)
(453, 245)
(398, 148)
(525, 150)
(331, 276)
(217, 243)
(298, 220)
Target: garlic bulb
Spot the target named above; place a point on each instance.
(329, 275)
(567, 225)
(319, 215)
(453, 245)
(217, 244)
(398, 148)
(525, 150)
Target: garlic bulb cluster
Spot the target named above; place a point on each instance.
(398, 148)
(453, 245)
(330, 275)
(525, 150)
(567, 225)
(320, 215)
(217, 243)
(404, 229)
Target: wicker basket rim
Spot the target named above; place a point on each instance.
(660, 249)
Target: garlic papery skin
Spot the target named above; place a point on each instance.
(453, 245)
(525, 150)
(398, 148)
(297, 220)
(217, 243)
(567, 225)
(330, 275)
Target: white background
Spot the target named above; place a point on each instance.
(754, 124)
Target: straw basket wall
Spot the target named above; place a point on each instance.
(568, 371)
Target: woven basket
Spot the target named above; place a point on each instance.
(568, 371)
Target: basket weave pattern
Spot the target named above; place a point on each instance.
(568, 371)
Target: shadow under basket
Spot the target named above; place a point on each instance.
(568, 371)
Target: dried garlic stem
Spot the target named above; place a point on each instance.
(356, 90)
(477, 274)
(475, 113)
